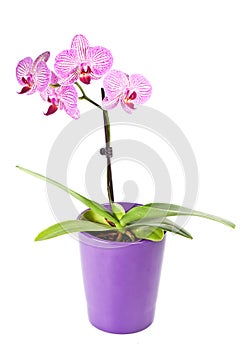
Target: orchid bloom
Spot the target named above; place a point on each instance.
(128, 90)
(33, 76)
(61, 97)
(82, 62)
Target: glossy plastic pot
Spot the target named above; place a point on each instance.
(121, 281)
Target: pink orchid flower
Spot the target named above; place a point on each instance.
(128, 90)
(82, 62)
(33, 76)
(61, 97)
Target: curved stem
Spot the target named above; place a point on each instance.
(85, 97)
(80, 88)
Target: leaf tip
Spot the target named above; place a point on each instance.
(37, 239)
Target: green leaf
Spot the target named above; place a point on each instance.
(70, 227)
(91, 215)
(117, 210)
(161, 210)
(148, 232)
(166, 225)
(98, 208)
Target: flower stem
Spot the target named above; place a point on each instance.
(108, 145)
(80, 88)
(85, 97)
(107, 140)
(93, 102)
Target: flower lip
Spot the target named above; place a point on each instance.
(131, 97)
(85, 75)
(52, 109)
(24, 90)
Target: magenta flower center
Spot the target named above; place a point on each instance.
(28, 81)
(54, 101)
(28, 84)
(85, 75)
(130, 96)
(54, 105)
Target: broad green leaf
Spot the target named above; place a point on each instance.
(70, 227)
(148, 232)
(166, 225)
(117, 210)
(91, 204)
(176, 210)
(161, 210)
(91, 215)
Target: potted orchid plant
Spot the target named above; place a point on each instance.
(121, 243)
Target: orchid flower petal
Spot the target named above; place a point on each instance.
(23, 69)
(128, 107)
(141, 86)
(68, 95)
(71, 78)
(43, 57)
(115, 83)
(50, 91)
(109, 104)
(42, 76)
(99, 59)
(80, 43)
(53, 78)
(45, 94)
(76, 114)
(65, 62)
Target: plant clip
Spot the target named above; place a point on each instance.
(107, 151)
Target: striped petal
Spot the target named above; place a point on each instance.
(33, 89)
(23, 69)
(80, 43)
(75, 115)
(99, 59)
(43, 57)
(42, 76)
(66, 62)
(141, 86)
(109, 104)
(115, 83)
(71, 78)
(53, 78)
(69, 97)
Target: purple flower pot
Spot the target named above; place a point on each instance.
(121, 281)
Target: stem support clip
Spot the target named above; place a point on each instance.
(106, 151)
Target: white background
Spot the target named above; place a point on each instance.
(193, 54)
